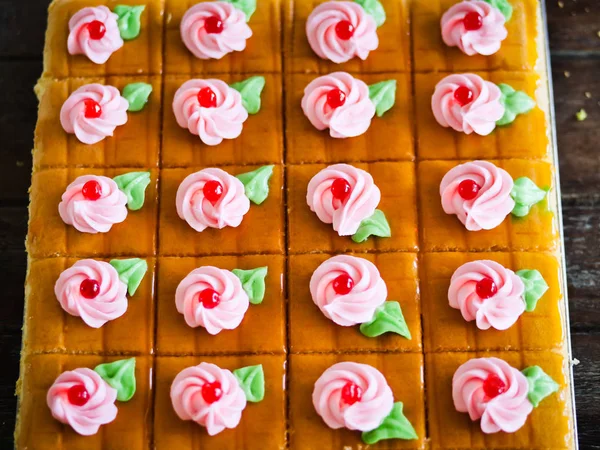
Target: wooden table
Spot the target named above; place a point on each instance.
(575, 44)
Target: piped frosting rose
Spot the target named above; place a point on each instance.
(211, 198)
(340, 102)
(344, 196)
(491, 390)
(478, 193)
(348, 289)
(212, 298)
(93, 204)
(475, 27)
(467, 103)
(208, 395)
(93, 112)
(210, 30)
(341, 30)
(210, 109)
(94, 32)
(352, 395)
(488, 293)
(92, 290)
(83, 400)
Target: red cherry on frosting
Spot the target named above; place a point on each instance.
(493, 386)
(92, 109)
(212, 392)
(473, 21)
(96, 29)
(212, 190)
(207, 98)
(78, 395)
(463, 95)
(213, 25)
(336, 98)
(343, 284)
(91, 190)
(351, 393)
(340, 189)
(468, 189)
(486, 288)
(209, 298)
(344, 30)
(89, 288)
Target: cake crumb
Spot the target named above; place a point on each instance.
(20, 164)
(581, 115)
(561, 4)
(575, 361)
(588, 95)
(567, 74)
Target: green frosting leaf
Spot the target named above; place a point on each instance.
(252, 382)
(514, 102)
(131, 272)
(137, 95)
(540, 384)
(250, 89)
(394, 426)
(247, 6)
(388, 318)
(375, 9)
(129, 20)
(121, 376)
(383, 96)
(376, 225)
(253, 282)
(504, 6)
(535, 287)
(525, 193)
(133, 185)
(256, 183)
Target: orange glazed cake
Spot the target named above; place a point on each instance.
(286, 224)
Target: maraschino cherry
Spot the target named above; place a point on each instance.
(212, 392)
(493, 386)
(463, 95)
(212, 190)
(341, 189)
(207, 98)
(92, 109)
(213, 25)
(468, 189)
(486, 288)
(78, 395)
(351, 393)
(336, 98)
(473, 21)
(209, 298)
(91, 190)
(89, 288)
(344, 30)
(96, 29)
(343, 284)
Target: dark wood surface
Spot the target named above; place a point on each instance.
(574, 27)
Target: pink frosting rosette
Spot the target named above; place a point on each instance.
(352, 395)
(340, 102)
(475, 27)
(210, 30)
(92, 290)
(348, 289)
(90, 214)
(491, 390)
(94, 32)
(212, 298)
(211, 198)
(208, 395)
(210, 109)
(478, 193)
(340, 30)
(488, 293)
(344, 208)
(467, 103)
(83, 400)
(93, 112)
